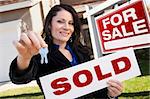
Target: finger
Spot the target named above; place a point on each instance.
(24, 40)
(19, 46)
(42, 42)
(113, 91)
(35, 41)
(116, 84)
(116, 81)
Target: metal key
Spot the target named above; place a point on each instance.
(43, 52)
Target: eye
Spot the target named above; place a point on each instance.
(71, 23)
(60, 21)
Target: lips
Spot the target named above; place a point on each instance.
(64, 34)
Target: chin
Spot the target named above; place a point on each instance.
(64, 40)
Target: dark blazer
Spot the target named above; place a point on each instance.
(57, 61)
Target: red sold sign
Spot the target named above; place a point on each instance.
(91, 76)
(126, 27)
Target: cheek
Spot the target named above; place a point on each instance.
(55, 35)
(54, 31)
(72, 30)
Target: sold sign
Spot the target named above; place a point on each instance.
(125, 27)
(90, 76)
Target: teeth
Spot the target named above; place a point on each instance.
(64, 34)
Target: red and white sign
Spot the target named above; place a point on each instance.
(126, 26)
(90, 76)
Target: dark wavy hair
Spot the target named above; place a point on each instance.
(75, 38)
(74, 43)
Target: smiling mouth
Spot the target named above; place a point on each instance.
(64, 34)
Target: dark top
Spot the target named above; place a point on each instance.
(56, 62)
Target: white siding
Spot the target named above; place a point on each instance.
(9, 31)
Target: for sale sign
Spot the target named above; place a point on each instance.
(127, 26)
(90, 76)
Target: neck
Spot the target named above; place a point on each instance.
(61, 45)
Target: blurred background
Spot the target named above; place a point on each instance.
(33, 13)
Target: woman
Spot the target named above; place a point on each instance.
(62, 37)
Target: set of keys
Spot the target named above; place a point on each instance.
(43, 52)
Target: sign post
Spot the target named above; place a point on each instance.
(90, 15)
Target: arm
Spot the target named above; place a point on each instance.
(18, 76)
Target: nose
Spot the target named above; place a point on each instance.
(66, 26)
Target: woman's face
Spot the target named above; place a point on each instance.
(62, 27)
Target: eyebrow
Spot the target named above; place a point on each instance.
(64, 19)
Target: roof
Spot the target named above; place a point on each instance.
(80, 2)
(7, 5)
(7, 2)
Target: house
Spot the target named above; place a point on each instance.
(33, 13)
(12, 13)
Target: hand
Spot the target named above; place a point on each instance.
(28, 46)
(115, 88)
